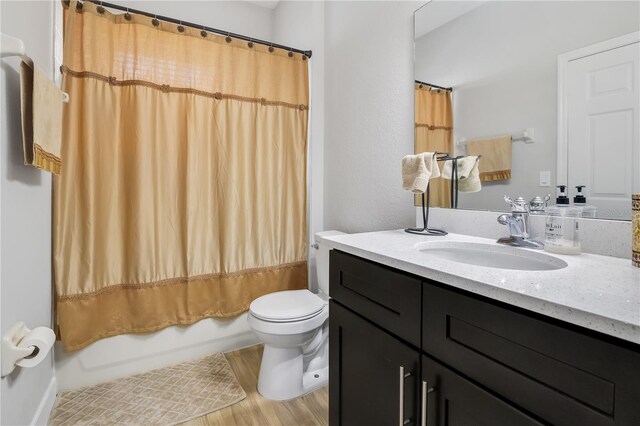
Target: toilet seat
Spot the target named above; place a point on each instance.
(286, 328)
(287, 306)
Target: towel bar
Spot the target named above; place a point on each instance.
(11, 46)
(526, 136)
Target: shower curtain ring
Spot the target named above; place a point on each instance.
(250, 44)
(127, 15)
(180, 27)
(291, 53)
(271, 49)
(228, 38)
(101, 9)
(203, 33)
(155, 21)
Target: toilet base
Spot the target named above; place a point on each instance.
(282, 375)
(314, 380)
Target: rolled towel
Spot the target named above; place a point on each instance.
(417, 170)
(472, 182)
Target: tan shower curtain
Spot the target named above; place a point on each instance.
(183, 194)
(434, 132)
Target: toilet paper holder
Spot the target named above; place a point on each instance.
(11, 353)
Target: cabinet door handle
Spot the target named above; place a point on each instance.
(426, 390)
(401, 398)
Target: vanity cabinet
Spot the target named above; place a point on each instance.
(406, 350)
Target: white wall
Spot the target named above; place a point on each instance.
(25, 217)
(368, 114)
(238, 17)
(501, 59)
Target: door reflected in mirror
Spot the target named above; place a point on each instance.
(547, 93)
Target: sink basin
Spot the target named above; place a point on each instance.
(491, 256)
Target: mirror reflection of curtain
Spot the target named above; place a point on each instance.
(183, 190)
(434, 132)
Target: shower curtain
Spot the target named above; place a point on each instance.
(434, 132)
(183, 194)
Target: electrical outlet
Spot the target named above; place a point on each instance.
(545, 178)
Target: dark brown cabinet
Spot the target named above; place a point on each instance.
(376, 378)
(451, 400)
(554, 370)
(404, 350)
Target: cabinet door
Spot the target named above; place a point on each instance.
(450, 400)
(373, 376)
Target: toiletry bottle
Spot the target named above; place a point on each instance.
(561, 226)
(580, 201)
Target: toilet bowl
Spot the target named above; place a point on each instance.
(294, 327)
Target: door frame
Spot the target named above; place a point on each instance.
(563, 62)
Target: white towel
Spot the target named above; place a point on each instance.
(417, 170)
(472, 182)
(465, 165)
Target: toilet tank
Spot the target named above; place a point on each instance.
(322, 261)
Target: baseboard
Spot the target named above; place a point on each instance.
(41, 416)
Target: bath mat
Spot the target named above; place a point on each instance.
(166, 396)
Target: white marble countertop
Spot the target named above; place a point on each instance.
(596, 292)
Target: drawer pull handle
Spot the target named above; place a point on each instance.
(401, 393)
(425, 391)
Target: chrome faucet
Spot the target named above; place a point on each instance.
(518, 223)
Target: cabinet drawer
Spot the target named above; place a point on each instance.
(384, 296)
(560, 374)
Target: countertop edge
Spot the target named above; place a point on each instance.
(588, 320)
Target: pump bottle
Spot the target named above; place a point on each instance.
(580, 201)
(561, 226)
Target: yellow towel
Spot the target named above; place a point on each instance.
(41, 110)
(417, 170)
(496, 157)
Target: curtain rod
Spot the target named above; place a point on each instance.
(307, 53)
(449, 89)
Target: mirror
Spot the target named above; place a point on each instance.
(546, 91)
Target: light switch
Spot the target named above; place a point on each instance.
(545, 178)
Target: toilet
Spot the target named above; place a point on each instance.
(294, 327)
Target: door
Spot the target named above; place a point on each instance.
(450, 400)
(603, 139)
(373, 376)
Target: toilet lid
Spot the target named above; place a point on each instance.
(290, 305)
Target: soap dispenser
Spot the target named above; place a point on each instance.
(561, 226)
(580, 201)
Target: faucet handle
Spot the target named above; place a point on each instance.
(537, 205)
(517, 205)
